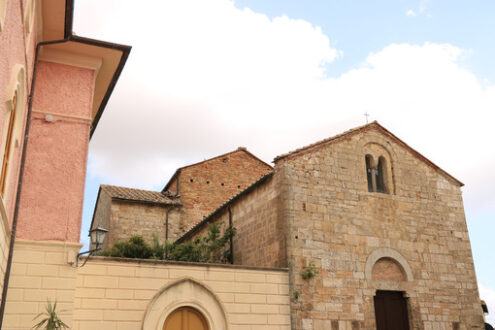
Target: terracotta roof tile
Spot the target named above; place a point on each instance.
(139, 195)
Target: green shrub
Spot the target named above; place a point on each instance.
(135, 247)
(213, 247)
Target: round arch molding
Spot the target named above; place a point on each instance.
(185, 292)
(387, 253)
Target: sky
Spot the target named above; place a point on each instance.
(207, 76)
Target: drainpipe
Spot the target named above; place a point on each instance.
(166, 223)
(166, 229)
(231, 238)
(21, 177)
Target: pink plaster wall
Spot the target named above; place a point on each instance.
(53, 189)
(13, 42)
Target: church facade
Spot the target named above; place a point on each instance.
(372, 233)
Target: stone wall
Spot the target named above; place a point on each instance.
(40, 273)
(128, 219)
(115, 295)
(203, 187)
(259, 224)
(344, 229)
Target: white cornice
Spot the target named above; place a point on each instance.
(82, 61)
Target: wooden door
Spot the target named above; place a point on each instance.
(391, 311)
(185, 318)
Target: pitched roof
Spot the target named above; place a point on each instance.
(177, 172)
(222, 207)
(138, 195)
(360, 129)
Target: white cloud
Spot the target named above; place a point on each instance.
(411, 13)
(488, 295)
(203, 82)
(423, 4)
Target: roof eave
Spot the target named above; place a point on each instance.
(140, 201)
(56, 26)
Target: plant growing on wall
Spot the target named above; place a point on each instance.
(210, 248)
(310, 271)
(51, 320)
(135, 247)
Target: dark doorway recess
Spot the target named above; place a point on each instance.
(391, 311)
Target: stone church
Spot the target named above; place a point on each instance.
(379, 228)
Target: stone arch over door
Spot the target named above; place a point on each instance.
(185, 292)
(395, 283)
(387, 253)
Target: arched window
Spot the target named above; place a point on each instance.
(369, 172)
(380, 179)
(3, 11)
(376, 174)
(8, 144)
(11, 132)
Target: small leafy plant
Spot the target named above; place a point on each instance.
(310, 271)
(296, 294)
(51, 320)
(135, 247)
(213, 247)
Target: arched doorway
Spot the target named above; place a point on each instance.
(185, 292)
(185, 318)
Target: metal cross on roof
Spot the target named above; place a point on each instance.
(366, 114)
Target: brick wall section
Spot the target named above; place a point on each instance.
(215, 181)
(128, 219)
(39, 273)
(334, 221)
(260, 227)
(114, 295)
